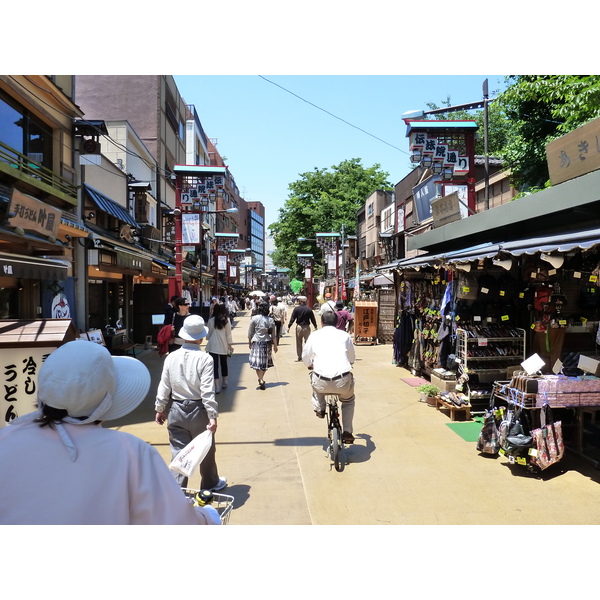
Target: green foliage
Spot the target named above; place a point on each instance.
(428, 389)
(498, 126)
(541, 108)
(322, 200)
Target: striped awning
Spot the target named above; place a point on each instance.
(110, 206)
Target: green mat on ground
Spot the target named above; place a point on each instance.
(468, 431)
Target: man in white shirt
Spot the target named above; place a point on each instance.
(329, 352)
(328, 305)
(188, 381)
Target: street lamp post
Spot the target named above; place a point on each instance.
(330, 244)
(306, 260)
(224, 242)
(192, 183)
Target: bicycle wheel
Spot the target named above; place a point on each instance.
(336, 449)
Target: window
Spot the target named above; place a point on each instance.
(24, 133)
(370, 210)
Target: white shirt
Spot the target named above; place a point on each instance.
(188, 374)
(330, 351)
(117, 479)
(218, 340)
(328, 306)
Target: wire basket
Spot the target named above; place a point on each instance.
(222, 502)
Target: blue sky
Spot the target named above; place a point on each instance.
(270, 136)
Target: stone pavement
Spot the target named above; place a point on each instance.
(405, 468)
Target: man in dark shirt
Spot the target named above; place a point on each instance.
(303, 316)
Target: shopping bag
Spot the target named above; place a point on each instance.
(487, 442)
(548, 446)
(189, 458)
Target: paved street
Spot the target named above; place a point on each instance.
(405, 468)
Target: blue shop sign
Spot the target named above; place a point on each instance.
(423, 195)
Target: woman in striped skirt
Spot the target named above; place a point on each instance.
(262, 340)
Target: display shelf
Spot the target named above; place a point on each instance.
(489, 351)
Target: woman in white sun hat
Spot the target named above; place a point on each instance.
(187, 382)
(59, 465)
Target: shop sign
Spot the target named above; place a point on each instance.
(20, 368)
(423, 195)
(365, 319)
(222, 262)
(445, 209)
(575, 153)
(33, 215)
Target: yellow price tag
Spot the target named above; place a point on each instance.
(466, 290)
(505, 317)
(502, 293)
(593, 278)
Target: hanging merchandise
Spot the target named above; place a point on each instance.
(548, 446)
(467, 287)
(487, 442)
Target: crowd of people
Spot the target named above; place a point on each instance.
(90, 474)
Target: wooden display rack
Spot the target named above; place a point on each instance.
(465, 408)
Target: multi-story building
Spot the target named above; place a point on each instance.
(38, 198)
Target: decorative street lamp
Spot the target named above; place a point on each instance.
(307, 260)
(330, 244)
(223, 243)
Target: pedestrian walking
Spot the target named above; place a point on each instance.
(330, 354)
(181, 314)
(303, 316)
(277, 313)
(187, 382)
(219, 344)
(262, 341)
(170, 310)
(345, 319)
(60, 466)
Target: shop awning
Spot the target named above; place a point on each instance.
(26, 267)
(110, 206)
(583, 240)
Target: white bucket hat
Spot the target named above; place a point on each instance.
(83, 378)
(193, 328)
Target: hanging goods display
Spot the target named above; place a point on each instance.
(548, 447)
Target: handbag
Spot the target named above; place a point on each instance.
(188, 459)
(487, 442)
(548, 446)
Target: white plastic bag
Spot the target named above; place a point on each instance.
(189, 458)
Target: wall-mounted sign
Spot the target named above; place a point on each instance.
(445, 210)
(423, 194)
(190, 228)
(575, 153)
(33, 215)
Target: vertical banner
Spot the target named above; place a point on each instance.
(222, 262)
(356, 295)
(344, 295)
(190, 228)
(20, 367)
(232, 271)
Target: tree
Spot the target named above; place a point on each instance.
(322, 200)
(541, 108)
(498, 126)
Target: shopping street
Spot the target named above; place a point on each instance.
(406, 467)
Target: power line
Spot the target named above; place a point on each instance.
(332, 115)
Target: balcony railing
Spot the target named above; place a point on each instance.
(35, 172)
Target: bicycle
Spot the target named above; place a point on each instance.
(336, 446)
(223, 503)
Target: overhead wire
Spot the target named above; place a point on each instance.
(332, 115)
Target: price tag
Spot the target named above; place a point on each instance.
(502, 293)
(489, 319)
(521, 460)
(521, 294)
(476, 318)
(466, 290)
(533, 452)
(552, 272)
(484, 290)
(505, 317)
(593, 278)
(562, 322)
(482, 342)
(577, 275)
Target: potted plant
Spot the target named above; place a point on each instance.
(428, 392)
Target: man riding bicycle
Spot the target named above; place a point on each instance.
(329, 352)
